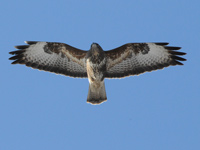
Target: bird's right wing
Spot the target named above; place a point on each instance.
(54, 57)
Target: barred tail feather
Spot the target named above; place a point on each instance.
(96, 95)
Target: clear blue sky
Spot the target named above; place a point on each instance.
(154, 111)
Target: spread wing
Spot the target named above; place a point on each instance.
(54, 57)
(137, 58)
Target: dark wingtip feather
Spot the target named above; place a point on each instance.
(162, 43)
(12, 53)
(177, 62)
(31, 42)
(21, 46)
(17, 52)
(16, 62)
(177, 53)
(172, 48)
(15, 57)
(178, 58)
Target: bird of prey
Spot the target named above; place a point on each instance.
(96, 64)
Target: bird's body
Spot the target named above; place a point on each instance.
(96, 69)
(97, 64)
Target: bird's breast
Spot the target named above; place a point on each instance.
(95, 71)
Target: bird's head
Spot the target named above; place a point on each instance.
(95, 52)
(95, 47)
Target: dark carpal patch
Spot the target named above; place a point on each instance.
(53, 47)
(136, 48)
(50, 48)
(141, 47)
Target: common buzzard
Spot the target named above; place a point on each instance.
(97, 64)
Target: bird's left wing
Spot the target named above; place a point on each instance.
(54, 57)
(137, 58)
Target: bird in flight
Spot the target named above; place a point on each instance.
(96, 64)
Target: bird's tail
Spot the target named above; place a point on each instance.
(96, 94)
